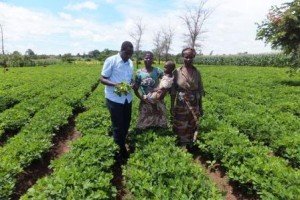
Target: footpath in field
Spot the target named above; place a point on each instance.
(89, 174)
(46, 88)
(40, 168)
(217, 174)
(263, 107)
(24, 150)
(157, 169)
(241, 135)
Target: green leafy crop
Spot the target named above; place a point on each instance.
(122, 89)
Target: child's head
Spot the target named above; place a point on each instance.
(169, 67)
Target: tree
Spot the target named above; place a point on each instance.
(3, 60)
(158, 45)
(168, 35)
(106, 53)
(67, 58)
(29, 53)
(136, 35)
(162, 43)
(2, 40)
(194, 19)
(16, 59)
(281, 30)
(94, 54)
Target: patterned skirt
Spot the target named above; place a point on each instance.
(152, 115)
(184, 123)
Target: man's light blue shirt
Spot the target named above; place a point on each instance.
(117, 71)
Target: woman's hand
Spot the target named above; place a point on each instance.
(145, 100)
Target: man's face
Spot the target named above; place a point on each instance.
(126, 53)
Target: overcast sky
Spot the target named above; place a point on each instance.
(71, 26)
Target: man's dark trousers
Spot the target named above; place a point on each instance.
(120, 117)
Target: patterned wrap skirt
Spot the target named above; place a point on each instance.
(184, 123)
(152, 115)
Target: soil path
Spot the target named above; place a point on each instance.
(118, 179)
(6, 135)
(218, 175)
(40, 168)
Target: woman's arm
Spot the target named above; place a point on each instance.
(161, 93)
(136, 85)
(202, 93)
(173, 93)
(138, 94)
(136, 91)
(172, 105)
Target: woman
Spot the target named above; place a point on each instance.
(186, 95)
(147, 78)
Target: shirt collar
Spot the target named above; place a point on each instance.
(119, 59)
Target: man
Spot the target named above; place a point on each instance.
(116, 69)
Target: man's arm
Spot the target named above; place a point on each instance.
(107, 71)
(105, 81)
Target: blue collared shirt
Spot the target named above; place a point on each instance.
(117, 71)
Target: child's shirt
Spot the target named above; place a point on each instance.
(165, 83)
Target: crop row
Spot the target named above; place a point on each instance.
(158, 169)
(89, 174)
(35, 138)
(279, 132)
(13, 119)
(235, 113)
(20, 85)
(25, 83)
(50, 88)
(249, 107)
(252, 166)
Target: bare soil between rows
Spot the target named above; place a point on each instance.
(6, 135)
(40, 168)
(218, 175)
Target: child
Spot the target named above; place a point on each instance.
(164, 84)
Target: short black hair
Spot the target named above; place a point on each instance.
(148, 52)
(171, 64)
(190, 49)
(125, 45)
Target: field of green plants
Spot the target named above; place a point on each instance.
(251, 128)
(270, 60)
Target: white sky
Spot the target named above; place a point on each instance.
(58, 27)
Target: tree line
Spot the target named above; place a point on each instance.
(280, 29)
